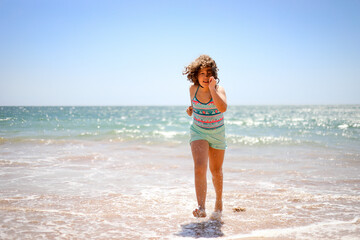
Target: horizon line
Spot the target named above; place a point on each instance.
(184, 105)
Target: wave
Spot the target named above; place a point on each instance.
(262, 140)
(155, 137)
(245, 125)
(5, 119)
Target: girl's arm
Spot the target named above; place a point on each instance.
(189, 110)
(218, 95)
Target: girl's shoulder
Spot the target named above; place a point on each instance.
(220, 88)
(193, 88)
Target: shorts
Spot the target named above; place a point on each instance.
(215, 137)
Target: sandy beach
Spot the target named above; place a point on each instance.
(103, 191)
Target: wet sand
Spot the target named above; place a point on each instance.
(99, 190)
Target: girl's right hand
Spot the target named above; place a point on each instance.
(189, 110)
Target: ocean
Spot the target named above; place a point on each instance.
(290, 172)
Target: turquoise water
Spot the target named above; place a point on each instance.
(326, 126)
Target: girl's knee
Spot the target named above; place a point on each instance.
(200, 169)
(216, 172)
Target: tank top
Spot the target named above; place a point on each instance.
(206, 115)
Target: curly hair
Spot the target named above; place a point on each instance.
(192, 70)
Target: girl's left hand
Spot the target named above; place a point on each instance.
(212, 82)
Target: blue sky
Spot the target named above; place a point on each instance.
(62, 52)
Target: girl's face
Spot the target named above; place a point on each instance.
(204, 75)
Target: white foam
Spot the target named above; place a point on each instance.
(237, 122)
(5, 119)
(343, 126)
(312, 231)
(168, 134)
(247, 140)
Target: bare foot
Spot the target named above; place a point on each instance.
(199, 212)
(216, 216)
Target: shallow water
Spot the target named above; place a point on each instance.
(60, 184)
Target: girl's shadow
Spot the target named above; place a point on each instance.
(205, 229)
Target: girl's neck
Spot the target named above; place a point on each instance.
(203, 89)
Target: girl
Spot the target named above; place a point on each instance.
(208, 103)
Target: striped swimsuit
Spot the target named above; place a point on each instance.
(206, 115)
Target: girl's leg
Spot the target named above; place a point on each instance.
(216, 159)
(200, 151)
